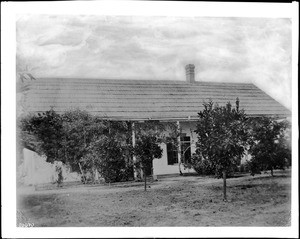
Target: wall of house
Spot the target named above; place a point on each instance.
(161, 167)
(35, 170)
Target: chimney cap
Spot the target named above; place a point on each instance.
(190, 66)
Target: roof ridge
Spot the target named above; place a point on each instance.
(113, 80)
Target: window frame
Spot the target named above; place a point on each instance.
(172, 151)
(172, 154)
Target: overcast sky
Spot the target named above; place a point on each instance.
(254, 50)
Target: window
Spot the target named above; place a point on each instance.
(185, 149)
(172, 153)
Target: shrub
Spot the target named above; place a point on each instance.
(42, 133)
(206, 167)
(111, 158)
(269, 145)
(201, 166)
(81, 140)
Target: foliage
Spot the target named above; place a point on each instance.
(87, 143)
(42, 133)
(148, 137)
(269, 148)
(111, 153)
(222, 138)
(207, 167)
(80, 130)
(202, 167)
(147, 149)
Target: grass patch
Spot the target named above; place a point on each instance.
(187, 201)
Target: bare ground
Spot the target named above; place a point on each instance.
(175, 201)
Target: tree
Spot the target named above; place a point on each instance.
(149, 136)
(42, 133)
(80, 130)
(85, 142)
(111, 153)
(269, 145)
(146, 150)
(60, 137)
(222, 138)
(26, 138)
(100, 145)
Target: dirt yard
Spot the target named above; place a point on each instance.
(175, 201)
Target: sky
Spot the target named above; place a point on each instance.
(223, 49)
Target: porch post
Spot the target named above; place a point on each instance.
(179, 147)
(135, 173)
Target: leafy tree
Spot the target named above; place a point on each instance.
(25, 138)
(149, 136)
(100, 145)
(111, 153)
(80, 130)
(203, 167)
(87, 143)
(269, 145)
(146, 150)
(110, 157)
(222, 138)
(42, 133)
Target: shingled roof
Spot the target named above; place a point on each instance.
(144, 99)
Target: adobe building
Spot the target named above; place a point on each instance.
(142, 100)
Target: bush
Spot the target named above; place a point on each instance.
(42, 133)
(242, 168)
(201, 166)
(251, 167)
(83, 141)
(115, 170)
(206, 167)
(270, 145)
(111, 158)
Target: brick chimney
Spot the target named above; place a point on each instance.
(190, 73)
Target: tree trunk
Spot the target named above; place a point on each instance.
(135, 170)
(224, 186)
(93, 174)
(145, 177)
(179, 148)
(180, 172)
(82, 173)
(272, 174)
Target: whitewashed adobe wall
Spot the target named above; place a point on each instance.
(35, 170)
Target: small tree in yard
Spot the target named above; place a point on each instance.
(222, 139)
(149, 136)
(269, 145)
(146, 150)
